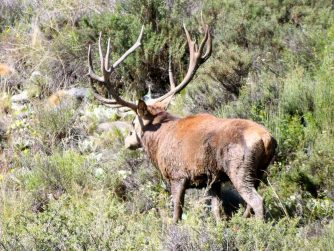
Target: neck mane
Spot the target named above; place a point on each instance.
(162, 122)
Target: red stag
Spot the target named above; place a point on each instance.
(199, 150)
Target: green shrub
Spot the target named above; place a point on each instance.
(219, 81)
(323, 91)
(75, 222)
(62, 171)
(296, 96)
(290, 135)
(53, 125)
(323, 240)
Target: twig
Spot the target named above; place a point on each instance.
(280, 202)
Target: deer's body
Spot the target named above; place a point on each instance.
(195, 151)
(203, 148)
(204, 151)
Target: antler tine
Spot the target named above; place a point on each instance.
(195, 60)
(208, 42)
(94, 76)
(91, 71)
(191, 44)
(129, 51)
(187, 33)
(206, 29)
(106, 60)
(170, 73)
(108, 102)
(117, 101)
(105, 64)
(101, 53)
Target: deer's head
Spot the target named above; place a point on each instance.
(147, 114)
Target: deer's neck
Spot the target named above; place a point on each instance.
(156, 132)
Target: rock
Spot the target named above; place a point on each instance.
(63, 97)
(100, 114)
(79, 92)
(18, 107)
(5, 122)
(99, 172)
(21, 111)
(23, 115)
(23, 97)
(120, 125)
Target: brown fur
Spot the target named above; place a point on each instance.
(57, 98)
(203, 151)
(5, 70)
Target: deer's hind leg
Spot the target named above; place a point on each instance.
(216, 202)
(178, 189)
(245, 182)
(248, 209)
(248, 192)
(247, 212)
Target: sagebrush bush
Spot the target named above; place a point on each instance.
(75, 222)
(53, 126)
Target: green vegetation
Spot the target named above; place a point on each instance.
(65, 184)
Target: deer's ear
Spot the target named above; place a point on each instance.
(142, 109)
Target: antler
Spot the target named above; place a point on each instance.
(117, 101)
(196, 59)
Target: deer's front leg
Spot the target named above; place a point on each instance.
(178, 188)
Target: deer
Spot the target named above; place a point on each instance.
(195, 151)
